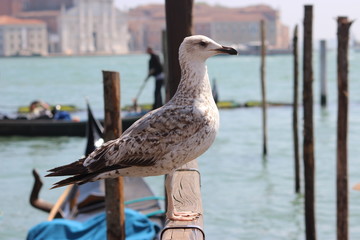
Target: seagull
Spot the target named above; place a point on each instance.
(165, 138)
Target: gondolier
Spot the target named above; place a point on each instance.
(156, 70)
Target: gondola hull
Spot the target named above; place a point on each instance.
(49, 128)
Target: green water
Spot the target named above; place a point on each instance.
(244, 197)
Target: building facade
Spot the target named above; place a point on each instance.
(22, 37)
(11, 7)
(145, 25)
(97, 27)
(46, 5)
(232, 26)
(75, 26)
(93, 27)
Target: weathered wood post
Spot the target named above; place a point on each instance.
(114, 188)
(342, 127)
(165, 64)
(295, 111)
(186, 181)
(179, 26)
(308, 151)
(323, 88)
(263, 85)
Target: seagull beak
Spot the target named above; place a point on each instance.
(226, 50)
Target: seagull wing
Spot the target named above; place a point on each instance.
(150, 138)
(146, 141)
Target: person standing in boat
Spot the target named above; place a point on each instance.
(156, 70)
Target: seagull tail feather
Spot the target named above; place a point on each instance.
(78, 179)
(75, 168)
(80, 173)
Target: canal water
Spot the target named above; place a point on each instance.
(244, 195)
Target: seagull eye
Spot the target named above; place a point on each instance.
(203, 44)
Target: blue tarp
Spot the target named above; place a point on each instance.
(137, 227)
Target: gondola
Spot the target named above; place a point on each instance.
(83, 202)
(221, 105)
(67, 108)
(51, 127)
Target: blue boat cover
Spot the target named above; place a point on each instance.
(137, 227)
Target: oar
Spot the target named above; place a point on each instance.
(59, 203)
(140, 91)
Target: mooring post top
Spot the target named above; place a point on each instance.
(186, 185)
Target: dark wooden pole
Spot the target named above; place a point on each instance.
(178, 26)
(308, 151)
(323, 89)
(114, 188)
(342, 127)
(295, 111)
(166, 64)
(263, 85)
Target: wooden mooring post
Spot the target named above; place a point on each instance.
(165, 64)
(114, 188)
(186, 189)
(263, 85)
(295, 111)
(308, 146)
(186, 181)
(342, 127)
(178, 26)
(323, 80)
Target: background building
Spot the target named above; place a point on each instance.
(43, 5)
(11, 7)
(232, 26)
(93, 26)
(145, 26)
(75, 26)
(97, 27)
(22, 37)
(47, 11)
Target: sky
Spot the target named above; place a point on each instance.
(325, 13)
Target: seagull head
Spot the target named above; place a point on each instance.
(200, 47)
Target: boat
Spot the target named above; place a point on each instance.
(230, 104)
(51, 121)
(53, 127)
(60, 107)
(254, 49)
(83, 202)
(221, 105)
